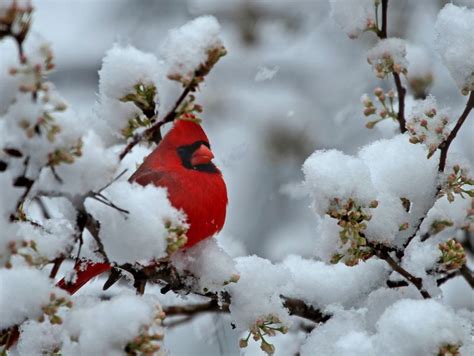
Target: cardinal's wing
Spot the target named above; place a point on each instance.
(145, 176)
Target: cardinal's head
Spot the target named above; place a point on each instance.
(187, 145)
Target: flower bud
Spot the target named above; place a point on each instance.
(371, 124)
(378, 92)
(369, 111)
(431, 113)
(243, 343)
(268, 348)
(403, 227)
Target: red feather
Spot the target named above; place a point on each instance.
(201, 195)
(85, 271)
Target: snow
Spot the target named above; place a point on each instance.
(37, 338)
(454, 213)
(96, 167)
(455, 43)
(408, 327)
(419, 258)
(53, 240)
(8, 60)
(266, 73)
(257, 293)
(187, 47)
(387, 56)
(117, 321)
(401, 169)
(207, 261)
(344, 334)
(17, 302)
(140, 235)
(428, 124)
(8, 202)
(420, 63)
(321, 284)
(350, 178)
(264, 131)
(327, 238)
(386, 220)
(386, 171)
(381, 299)
(427, 324)
(354, 17)
(123, 68)
(413, 176)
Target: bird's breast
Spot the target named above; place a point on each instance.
(203, 198)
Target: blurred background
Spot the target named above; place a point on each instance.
(290, 84)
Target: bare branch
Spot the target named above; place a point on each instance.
(112, 181)
(211, 306)
(468, 275)
(401, 91)
(300, 308)
(382, 33)
(154, 132)
(296, 307)
(444, 147)
(383, 254)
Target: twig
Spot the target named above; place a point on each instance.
(385, 255)
(56, 265)
(43, 207)
(154, 130)
(104, 200)
(446, 278)
(401, 91)
(211, 306)
(444, 147)
(468, 275)
(174, 323)
(296, 307)
(412, 236)
(93, 226)
(55, 174)
(164, 271)
(383, 31)
(300, 308)
(112, 181)
(396, 284)
(439, 281)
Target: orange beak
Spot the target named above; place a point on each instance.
(202, 155)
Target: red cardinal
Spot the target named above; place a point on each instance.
(182, 163)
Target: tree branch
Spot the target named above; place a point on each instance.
(383, 254)
(300, 308)
(211, 306)
(154, 131)
(401, 91)
(164, 271)
(444, 147)
(468, 275)
(383, 31)
(296, 307)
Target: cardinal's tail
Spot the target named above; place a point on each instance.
(85, 271)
